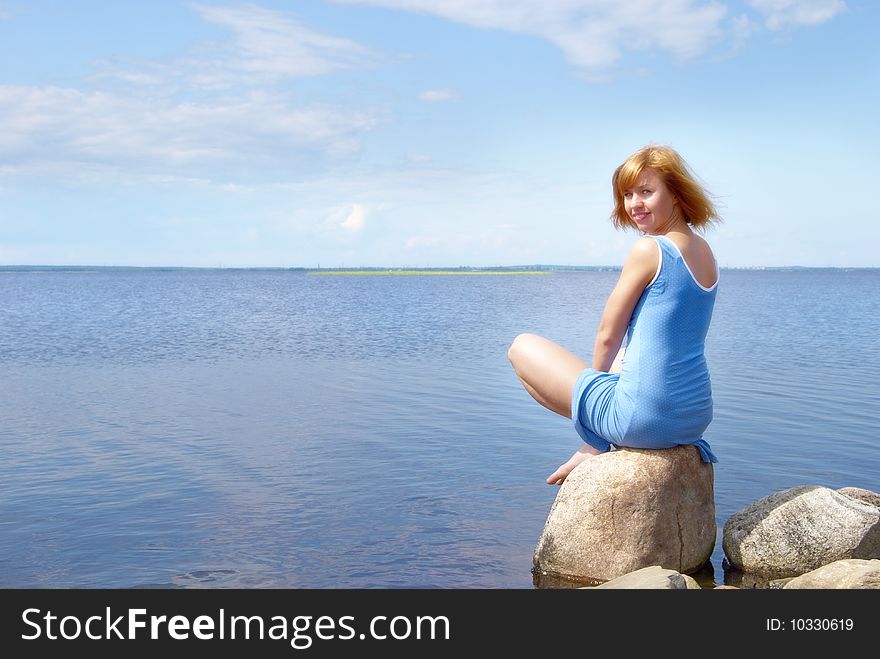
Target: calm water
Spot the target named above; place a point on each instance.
(274, 429)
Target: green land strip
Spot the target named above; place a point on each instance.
(430, 272)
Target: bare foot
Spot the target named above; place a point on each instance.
(584, 452)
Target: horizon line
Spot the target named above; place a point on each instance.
(542, 267)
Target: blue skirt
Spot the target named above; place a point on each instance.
(604, 420)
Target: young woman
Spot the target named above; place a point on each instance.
(654, 393)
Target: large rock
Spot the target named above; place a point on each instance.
(803, 528)
(654, 578)
(848, 573)
(628, 509)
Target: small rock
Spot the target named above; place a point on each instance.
(776, 584)
(845, 574)
(655, 578)
(800, 529)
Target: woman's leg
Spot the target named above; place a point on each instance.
(549, 372)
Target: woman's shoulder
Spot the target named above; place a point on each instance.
(643, 259)
(645, 249)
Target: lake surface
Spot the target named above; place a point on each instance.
(256, 429)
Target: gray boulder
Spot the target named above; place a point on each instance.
(803, 528)
(846, 574)
(628, 509)
(654, 578)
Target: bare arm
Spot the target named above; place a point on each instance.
(638, 271)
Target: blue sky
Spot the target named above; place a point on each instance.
(348, 133)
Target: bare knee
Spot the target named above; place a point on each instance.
(518, 348)
(546, 370)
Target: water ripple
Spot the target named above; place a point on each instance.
(270, 429)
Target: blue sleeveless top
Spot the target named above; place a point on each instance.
(662, 396)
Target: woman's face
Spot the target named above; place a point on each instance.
(649, 203)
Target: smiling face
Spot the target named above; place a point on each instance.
(649, 203)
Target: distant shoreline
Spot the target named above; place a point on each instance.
(386, 270)
(429, 272)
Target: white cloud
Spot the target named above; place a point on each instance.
(432, 216)
(779, 14)
(271, 45)
(265, 47)
(147, 134)
(593, 34)
(356, 219)
(216, 113)
(741, 28)
(438, 95)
